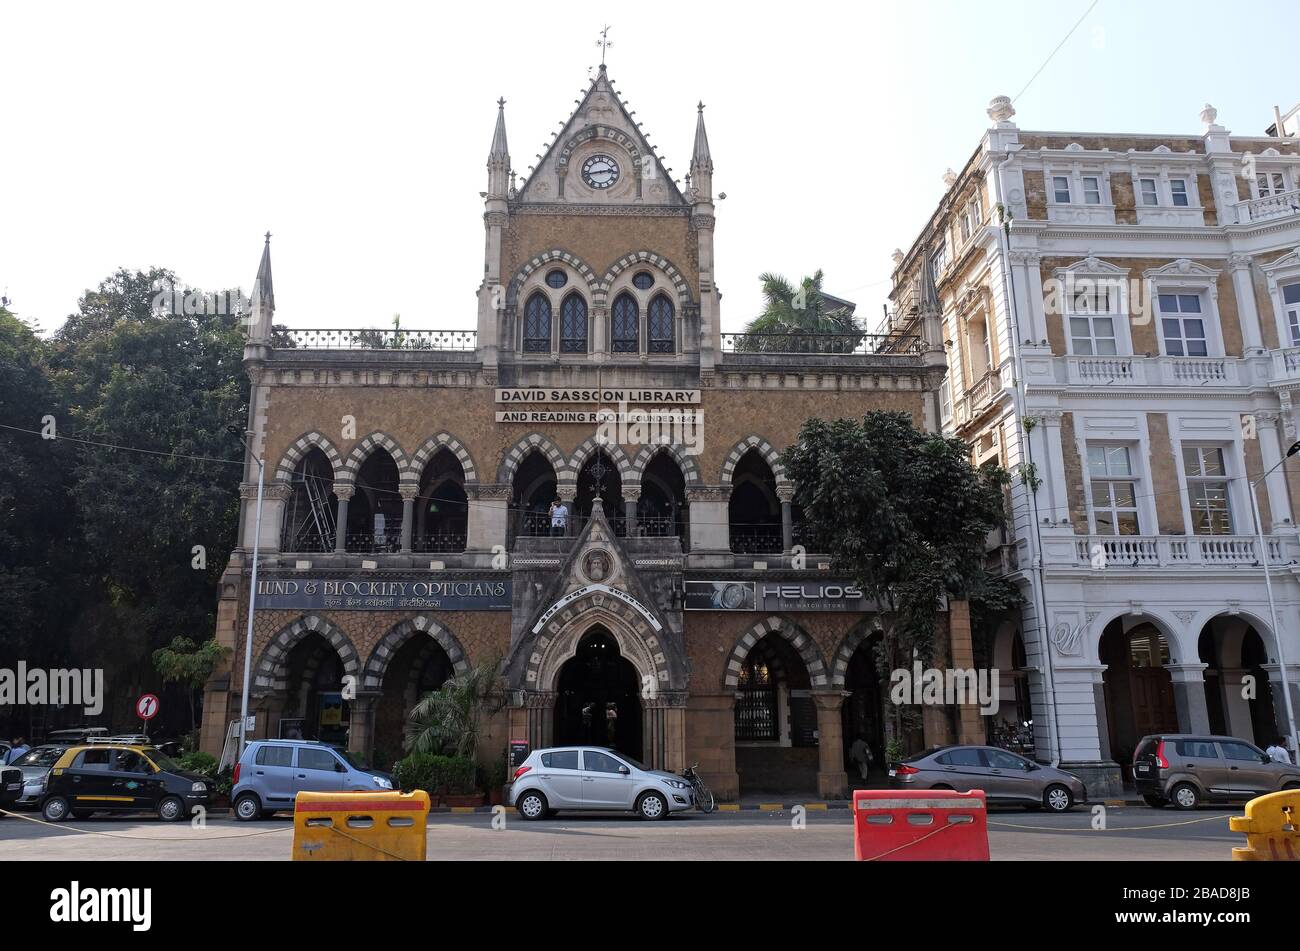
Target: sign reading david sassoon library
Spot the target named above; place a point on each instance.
(629, 395)
(298, 594)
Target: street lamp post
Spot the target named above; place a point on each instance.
(1268, 586)
(252, 596)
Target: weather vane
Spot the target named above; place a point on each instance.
(604, 43)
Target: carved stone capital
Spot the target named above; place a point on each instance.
(409, 492)
(708, 493)
(344, 491)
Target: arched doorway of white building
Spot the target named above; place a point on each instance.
(1238, 698)
(1138, 687)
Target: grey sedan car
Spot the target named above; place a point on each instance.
(1003, 776)
(594, 778)
(35, 765)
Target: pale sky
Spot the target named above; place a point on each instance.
(174, 134)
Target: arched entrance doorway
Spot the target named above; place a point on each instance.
(1238, 700)
(1139, 690)
(417, 667)
(597, 701)
(314, 708)
(862, 714)
(775, 720)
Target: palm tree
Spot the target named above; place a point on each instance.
(801, 311)
(446, 721)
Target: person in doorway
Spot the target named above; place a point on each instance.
(860, 753)
(559, 517)
(1278, 752)
(588, 713)
(611, 722)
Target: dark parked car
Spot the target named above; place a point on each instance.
(1003, 776)
(1186, 770)
(121, 778)
(11, 786)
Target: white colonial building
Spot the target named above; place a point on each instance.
(1122, 319)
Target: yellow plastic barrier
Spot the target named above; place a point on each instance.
(360, 827)
(1270, 828)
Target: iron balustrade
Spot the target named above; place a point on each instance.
(439, 542)
(756, 539)
(820, 344)
(374, 339)
(306, 542)
(370, 543)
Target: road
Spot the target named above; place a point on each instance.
(1131, 833)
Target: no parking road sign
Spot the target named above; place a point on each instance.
(146, 708)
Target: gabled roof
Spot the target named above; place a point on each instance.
(600, 112)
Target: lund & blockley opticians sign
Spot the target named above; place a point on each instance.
(367, 595)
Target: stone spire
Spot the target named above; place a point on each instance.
(262, 301)
(702, 159)
(498, 162)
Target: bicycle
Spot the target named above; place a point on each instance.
(703, 797)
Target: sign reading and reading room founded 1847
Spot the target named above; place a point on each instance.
(371, 595)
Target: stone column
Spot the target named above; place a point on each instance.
(1236, 708)
(970, 724)
(1274, 672)
(708, 511)
(631, 495)
(361, 723)
(1270, 450)
(488, 515)
(1189, 697)
(408, 493)
(786, 494)
(1244, 289)
(832, 780)
(541, 717)
(344, 494)
(568, 492)
(275, 494)
(1050, 459)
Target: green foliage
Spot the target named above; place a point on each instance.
(436, 774)
(97, 546)
(205, 764)
(800, 309)
(446, 721)
(906, 514)
(190, 664)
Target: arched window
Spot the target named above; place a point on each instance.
(573, 325)
(537, 324)
(660, 319)
(625, 321)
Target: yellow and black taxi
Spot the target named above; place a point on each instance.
(121, 777)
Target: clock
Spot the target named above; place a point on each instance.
(600, 171)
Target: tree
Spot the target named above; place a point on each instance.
(446, 720)
(908, 515)
(191, 665)
(799, 311)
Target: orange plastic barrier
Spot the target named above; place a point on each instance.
(926, 825)
(360, 826)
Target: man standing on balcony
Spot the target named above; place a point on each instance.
(559, 517)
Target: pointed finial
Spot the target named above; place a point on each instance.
(701, 106)
(501, 103)
(604, 43)
(268, 237)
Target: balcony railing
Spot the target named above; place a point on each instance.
(331, 339)
(820, 344)
(979, 396)
(1153, 371)
(1272, 206)
(757, 539)
(1141, 551)
(439, 542)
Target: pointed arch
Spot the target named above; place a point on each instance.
(303, 445)
(455, 446)
(270, 675)
(611, 449)
(858, 635)
(538, 323)
(661, 325)
(377, 664)
(516, 454)
(549, 259)
(625, 325)
(802, 643)
(769, 453)
(690, 471)
(575, 324)
(366, 447)
(637, 259)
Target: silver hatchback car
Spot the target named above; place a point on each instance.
(590, 778)
(1003, 776)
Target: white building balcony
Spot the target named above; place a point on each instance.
(1269, 207)
(1163, 551)
(978, 397)
(1153, 371)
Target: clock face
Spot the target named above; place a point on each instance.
(600, 171)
